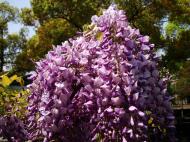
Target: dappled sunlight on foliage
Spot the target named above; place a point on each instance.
(13, 99)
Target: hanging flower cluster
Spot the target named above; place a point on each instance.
(13, 129)
(101, 85)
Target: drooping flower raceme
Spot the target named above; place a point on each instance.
(12, 129)
(101, 85)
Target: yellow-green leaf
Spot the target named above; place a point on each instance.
(148, 112)
(20, 80)
(6, 81)
(14, 77)
(99, 36)
(1, 89)
(150, 121)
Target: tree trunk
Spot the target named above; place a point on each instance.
(1, 51)
(1, 59)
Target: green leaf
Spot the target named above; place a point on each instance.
(99, 36)
(150, 121)
(5, 81)
(20, 80)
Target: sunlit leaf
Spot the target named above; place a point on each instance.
(99, 36)
(150, 121)
(6, 81)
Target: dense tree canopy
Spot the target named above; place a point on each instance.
(149, 16)
(182, 85)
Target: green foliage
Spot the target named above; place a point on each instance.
(16, 42)
(182, 86)
(177, 35)
(13, 100)
(172, 29)
(27, 17)
(58, 20)
(75, 12)
(178, 50)
(23, 64)
(51, 33)
(147, 16)
(8, 13)
(180, 12)
(55, 30)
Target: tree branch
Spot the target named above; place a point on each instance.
(76, 88)
(72, 22)
(138, 11)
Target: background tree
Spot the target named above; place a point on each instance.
(177, 35)
(177, 50)
(182, 85)
(165, 21)
(16, 43)
(57, 20)
(7, 14)
(149, 16)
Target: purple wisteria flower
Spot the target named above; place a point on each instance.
(102, 85)
(12, 129)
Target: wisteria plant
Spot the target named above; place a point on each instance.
(13, 104)
(102, 85)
